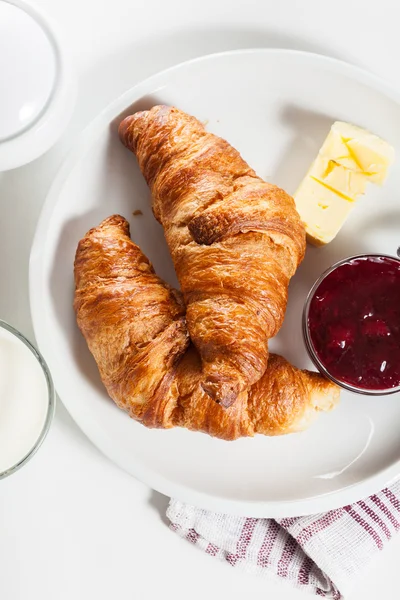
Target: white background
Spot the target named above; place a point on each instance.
(72, 525)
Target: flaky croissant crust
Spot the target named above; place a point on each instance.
(134, 325)
(235, 241)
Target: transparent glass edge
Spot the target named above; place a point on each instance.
(307, 337)
(51, 400)
(46, 28)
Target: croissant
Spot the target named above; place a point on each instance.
(134, 325)
(235, 241)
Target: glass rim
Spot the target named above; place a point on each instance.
(307, 337)
(51, 400)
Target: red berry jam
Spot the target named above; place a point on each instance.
(354, 322)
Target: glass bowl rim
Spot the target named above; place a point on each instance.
(307, 337)
(51, 400)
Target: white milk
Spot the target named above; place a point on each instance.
(24, 400)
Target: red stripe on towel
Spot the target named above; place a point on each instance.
(366, 526)
(268, 543)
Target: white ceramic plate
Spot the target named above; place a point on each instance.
(276, 107)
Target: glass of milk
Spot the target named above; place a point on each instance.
(27, 400)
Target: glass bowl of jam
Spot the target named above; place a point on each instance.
(351, 324)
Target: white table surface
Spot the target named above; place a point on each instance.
(73, 525)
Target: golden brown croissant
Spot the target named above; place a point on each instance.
(134, 325)
(235, 241)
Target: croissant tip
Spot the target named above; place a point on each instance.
(223, 395)
(124, 128)
(108, 226)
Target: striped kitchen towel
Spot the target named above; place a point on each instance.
(322, 554)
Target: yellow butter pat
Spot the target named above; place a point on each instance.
(322, 210)
(347, 160)
(338, 178)
(359, 150)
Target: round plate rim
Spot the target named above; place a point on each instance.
(276, 509)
